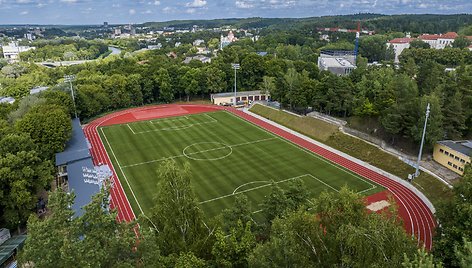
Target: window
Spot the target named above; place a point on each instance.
(449, 163)
(446, 153)
(454, 166)
(457, 158)
(441, 150)
(451, 155)
(461, 169)
(462, 161)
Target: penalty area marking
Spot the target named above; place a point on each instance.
(264, 186)
(210, 121)
(299, 147)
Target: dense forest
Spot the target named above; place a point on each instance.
(415, 23)
(65, 49)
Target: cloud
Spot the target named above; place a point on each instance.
(244, 4)
(196, 3)
(147, 12)
(168, 10)
(156, 3)
(132, 11)
(24, 13)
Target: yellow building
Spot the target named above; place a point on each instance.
(242, 97)
(453, 154)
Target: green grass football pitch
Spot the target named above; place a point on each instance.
(227, 156)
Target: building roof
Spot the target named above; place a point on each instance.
(81, 172)
(8, 248)
(238, 94)
(404, 40)
(337, 62)
(449, 35)
(37, 90)
(464, 147)
(77, 147)
(80, 183)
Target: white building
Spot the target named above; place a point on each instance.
(226, 40)
(398, 45)
(12, 51)
(436, 41)
(439, 41)
(337, 62)
(198, 42)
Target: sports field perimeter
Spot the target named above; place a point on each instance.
(227, 155)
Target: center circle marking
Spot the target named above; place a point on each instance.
(219, 146)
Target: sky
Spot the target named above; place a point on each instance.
(139, 11)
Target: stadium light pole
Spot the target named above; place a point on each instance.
(417, 172)
(69, 78)
(236, 67)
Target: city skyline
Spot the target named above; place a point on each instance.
(116, 12)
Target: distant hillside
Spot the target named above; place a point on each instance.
(430, 23)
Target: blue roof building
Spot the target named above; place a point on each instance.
(77, 171)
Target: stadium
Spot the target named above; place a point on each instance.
(233, 152)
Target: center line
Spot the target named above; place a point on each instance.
(209, 150)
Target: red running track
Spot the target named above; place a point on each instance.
(417, 218)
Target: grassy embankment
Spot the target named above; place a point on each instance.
(331, 136)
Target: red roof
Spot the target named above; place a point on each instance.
(450, 35)
(403, 40)
(429, 36)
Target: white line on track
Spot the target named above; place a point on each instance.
(119, 166)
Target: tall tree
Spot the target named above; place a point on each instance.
(49, 126)
(336, 232)
(176, 214)
(455, 220)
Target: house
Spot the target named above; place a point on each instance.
(76, 171)
(9, 247)
(12, 51)
(198, 42)
(226, 40)
(436, 41)
(201, 58)
(227, 98)
(398, 45)
(439, 41)
(337, 62)
(454, 155)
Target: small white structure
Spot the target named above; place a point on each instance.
(9, 100)
(12, 51)
(37, 90)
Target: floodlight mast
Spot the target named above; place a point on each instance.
(236, 67)
(69, 78)
(417, 172)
